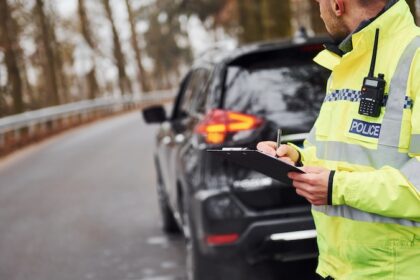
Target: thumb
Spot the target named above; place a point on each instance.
(288, 151)
(283, 151)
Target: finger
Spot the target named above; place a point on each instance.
(287, 160)
(302, 186)
(310, 179)
(267, 147)
(270, 144)
(294, 175)
(314, 197)
(305, 194)
(282, 151)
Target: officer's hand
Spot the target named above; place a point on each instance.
(267, 147)
(284, 152)
(313, 185)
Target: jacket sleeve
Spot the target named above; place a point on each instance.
(307, 154)
(387, 191)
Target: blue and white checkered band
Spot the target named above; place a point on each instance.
(408, 103)
(354, 96)
(343, 94)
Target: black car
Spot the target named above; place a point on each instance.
(237, 220)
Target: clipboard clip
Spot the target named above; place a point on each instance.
(234, 149)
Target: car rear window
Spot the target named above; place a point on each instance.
(285, 88)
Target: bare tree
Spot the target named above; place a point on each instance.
(50, 66)
(85, 24)
(412, 5)
(62, 81)
(135, 45)
(250, 20)
(123, 80)
(264, 20)
(9, 41)
(87, 35)
(317, 24)
(276, 19)
(59, 52)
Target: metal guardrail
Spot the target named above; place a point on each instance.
(17, 130)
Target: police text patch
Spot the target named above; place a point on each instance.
(365, 129)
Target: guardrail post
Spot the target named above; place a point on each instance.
(16, 136)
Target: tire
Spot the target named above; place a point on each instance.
(198, 265)
(168, 222)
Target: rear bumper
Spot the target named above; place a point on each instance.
(285, 235)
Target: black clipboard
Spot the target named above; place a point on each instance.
(256, 160)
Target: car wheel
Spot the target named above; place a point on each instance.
(169, 224)
(198, 265)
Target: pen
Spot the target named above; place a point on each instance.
(278, 138)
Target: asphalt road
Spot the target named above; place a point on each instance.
(83, 206)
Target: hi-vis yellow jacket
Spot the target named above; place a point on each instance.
(372, 229)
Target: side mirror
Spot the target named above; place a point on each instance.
(154, 114)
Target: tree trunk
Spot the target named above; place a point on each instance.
(134, 42)
(50, 69)
(60, 75)
(412, 4)
(123, 80)
(317, 23)
(250, 21)
(87, 35)
(264, 19)
(85, 24)
(10, 43)
(93, 83)
(276, 19)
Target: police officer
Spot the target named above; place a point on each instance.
(363, 168)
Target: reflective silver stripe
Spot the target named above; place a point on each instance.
(414, 144)
(411, 170)
(356, 154)
(351, 213)
(312, 136)
(396, 97)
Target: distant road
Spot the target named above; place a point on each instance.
(83, 206)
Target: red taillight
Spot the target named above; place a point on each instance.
(222, 239)
(218, 123)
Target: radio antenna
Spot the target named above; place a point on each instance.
(375, 51)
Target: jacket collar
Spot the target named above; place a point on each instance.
(347, 45)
